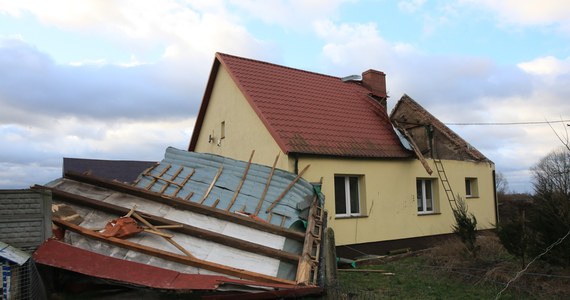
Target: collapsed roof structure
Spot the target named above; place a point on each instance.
(192, 222)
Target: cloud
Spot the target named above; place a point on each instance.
(463, 89)
(34, 154)
(547, 65)
(411, 6)
(296, 14)
(528, 12)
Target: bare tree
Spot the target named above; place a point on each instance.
(501, 184)
(552, 173)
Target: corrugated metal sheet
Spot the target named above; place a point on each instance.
(205, 167)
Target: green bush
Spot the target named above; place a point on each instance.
(465, 226)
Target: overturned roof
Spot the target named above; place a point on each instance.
(220, 217)
(312, 113)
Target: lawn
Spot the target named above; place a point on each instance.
(448, 272)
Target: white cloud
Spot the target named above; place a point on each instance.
(411, 6)
(528, 12)
(463, 89)
(547, 65)
(297, 14)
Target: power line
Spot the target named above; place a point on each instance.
(506, 123)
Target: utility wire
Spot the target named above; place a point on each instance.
(558, 242)
(505, 123)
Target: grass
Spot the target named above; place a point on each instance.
(448, 272)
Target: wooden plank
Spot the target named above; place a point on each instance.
(304, 266)
(267, 184)
(183, 183)
(155, 178)
(187, 198)
(216, 203)
(276, 201)
(190, 261)
(185, 229)
(158, 232)
(145, 172)
(211, 185)
(236, 193)
(415, 148)
(185, 205)
(171, 181)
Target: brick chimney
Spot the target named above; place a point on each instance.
(375, 81)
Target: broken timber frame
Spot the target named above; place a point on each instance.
(186, 229)
(186, 205)
(414, 147)
(191, 261)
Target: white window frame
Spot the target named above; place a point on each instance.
(473, 187)
(347, 196)
(424, 199)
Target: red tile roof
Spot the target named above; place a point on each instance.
(311, 113)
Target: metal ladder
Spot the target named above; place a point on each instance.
(445, 183)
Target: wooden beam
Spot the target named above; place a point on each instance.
(236, 193)
(155, 178)
(276, 201)
(185, 205)
(211, 185)
(171, 181)
(156, 231)
(267, 184)
(304, 265)
(414, 147)
(183, 183)
(190, 261)
(185, 229)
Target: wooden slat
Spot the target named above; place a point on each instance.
(145, 172)
(190, 261)
(155, 178)
(185, 229)
(267, 184)
(276, 201)
(236, 193)
(183, 183)
(415, 148)
(186, 205)
(158, 232)
(211, 185)
(171, 181)
(304, 265)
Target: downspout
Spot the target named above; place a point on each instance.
(296, 166)
(496, 200)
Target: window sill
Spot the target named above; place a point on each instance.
(471, 197)
(429, 214)
(350, 217)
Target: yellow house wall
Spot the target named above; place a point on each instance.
(244, 131)
(388, 197)
(389, 186)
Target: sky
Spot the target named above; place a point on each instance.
(124, 79)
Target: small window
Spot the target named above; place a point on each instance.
(347, 195)
(424, 192)
(471, 187)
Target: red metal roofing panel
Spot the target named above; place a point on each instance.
(314, 113)
(61, 255)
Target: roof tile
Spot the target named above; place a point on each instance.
(313, 113)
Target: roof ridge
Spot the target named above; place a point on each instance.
(221, 55)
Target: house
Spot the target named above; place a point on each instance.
(192, 223)
(390, 180)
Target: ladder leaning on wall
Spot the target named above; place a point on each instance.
(445, 183)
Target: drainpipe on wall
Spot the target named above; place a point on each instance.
(296, 166)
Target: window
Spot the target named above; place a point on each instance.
(223, 130)
(347, 195)
(424, 192)
(471, 188)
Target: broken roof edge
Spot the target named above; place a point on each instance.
(68, 257)
(448, 132)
